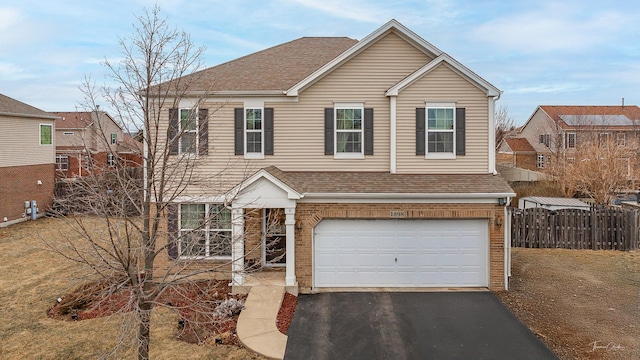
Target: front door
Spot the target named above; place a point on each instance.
(275, 239)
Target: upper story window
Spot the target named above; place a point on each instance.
(188, 131)
(254, 131)
(205, 231)
(46, 131)
(545, 139)
(440, 130)
(349, 130)
(114, 138)
(570, 141)
(621, 139)
(188, 128)
(68, 133)
(62, 162)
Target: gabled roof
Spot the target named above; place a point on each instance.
(454, 65)
(13, 107)
(519, 144)
(274, 69)
(384, 183)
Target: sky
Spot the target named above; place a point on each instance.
(543, 52)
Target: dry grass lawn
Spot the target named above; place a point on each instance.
(583, 304)
(32, 278)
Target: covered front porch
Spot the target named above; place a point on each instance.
(263, 233)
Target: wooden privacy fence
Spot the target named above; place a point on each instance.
(597, 229)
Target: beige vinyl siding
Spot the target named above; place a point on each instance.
(299, 126)
(445, 85)
(76, 139)
(20, 142)
(540, 123)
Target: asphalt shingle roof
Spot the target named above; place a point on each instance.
(519, 144)
(576, 116)
(387, 183)
(276, 68)
(73, 120)
(10, 106)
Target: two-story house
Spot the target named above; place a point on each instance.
(90, 142)
(374, 158)
(558, 131)
(27, 153)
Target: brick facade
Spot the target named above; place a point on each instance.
(309, 215)
(19, 184)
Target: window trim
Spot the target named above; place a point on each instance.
(540, 161)
(50, 134)
(568, 140)
(195, 131)
(114, 138)
(59, 164)
(439, 155)
(206, 229)
(253, 155)
(347, 106)
(624, 139)
(545, 139)
(604, 135)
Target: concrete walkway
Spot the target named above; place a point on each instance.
(256, 327)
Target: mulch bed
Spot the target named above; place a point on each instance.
(205, 308)
(285, 314)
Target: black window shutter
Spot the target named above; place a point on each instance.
(328, 131)
(238, 125)
(420, 131)
(203, 134)
(368, 131)
(460, 131)
(268, 131)
(173, 131)
(172, 229)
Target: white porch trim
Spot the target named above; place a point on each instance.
(290, 222)
(237, 247)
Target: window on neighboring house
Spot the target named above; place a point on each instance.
(545, 139)
(114, 138)
(570, 141)
(571, 160)
(540, 161)
(68, 133)
(46, 131)
(62, 162)
(205, 231)
(621, 139)
(111, 160)
(349, 130)
(254, 131)
(440, 129)
(604, 139)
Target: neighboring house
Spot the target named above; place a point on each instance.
(375, 159)
(90, 142)
(560, 130)
(552, 203)
(27, 154)
(517, 152)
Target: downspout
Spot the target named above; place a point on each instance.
(492, 134)
(392, 133)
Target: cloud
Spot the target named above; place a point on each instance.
(347, 9)
(10, 72)
(551, 28)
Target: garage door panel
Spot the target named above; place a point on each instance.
(407, 253)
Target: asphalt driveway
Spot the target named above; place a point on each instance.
(427, 325)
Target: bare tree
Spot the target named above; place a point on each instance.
(125, 236)
(504, 122)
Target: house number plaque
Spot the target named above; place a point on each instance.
(397, 214)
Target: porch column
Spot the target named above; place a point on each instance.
(290, 222)
(237, 247)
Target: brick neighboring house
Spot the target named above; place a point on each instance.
(90, 142)
(27, 160)
(517, 152)
(560, 130)
(375, 159)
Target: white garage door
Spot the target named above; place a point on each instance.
(401, 253)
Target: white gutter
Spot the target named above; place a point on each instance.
(507, 245)
(410, 195)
